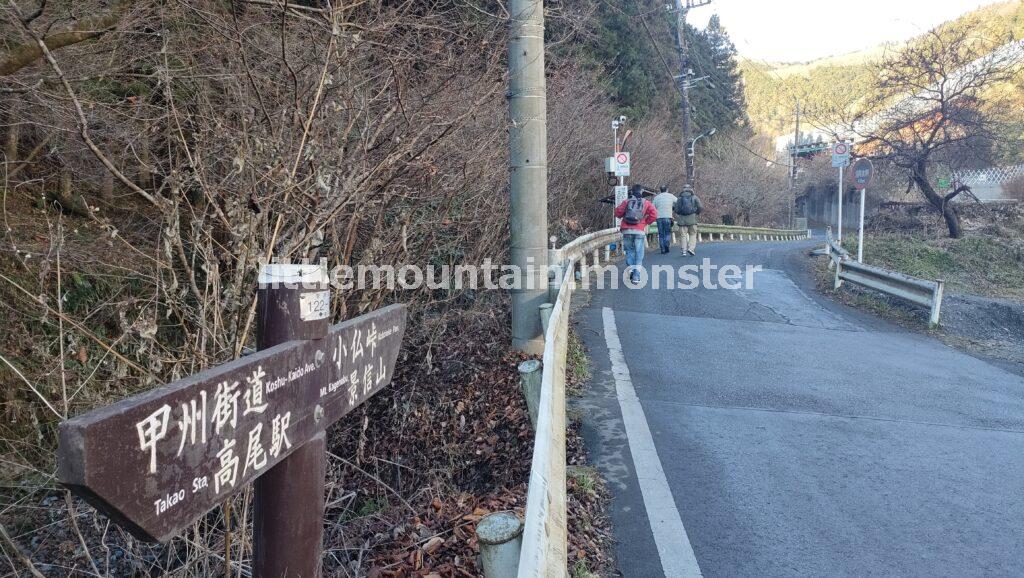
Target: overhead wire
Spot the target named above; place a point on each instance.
(668, 70)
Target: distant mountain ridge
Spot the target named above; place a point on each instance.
(772, 89)
(856, 58)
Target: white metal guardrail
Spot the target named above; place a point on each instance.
(545, 535)
(545, 539)
(919, 291)
(711, 233)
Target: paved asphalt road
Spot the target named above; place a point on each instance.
(800, 437)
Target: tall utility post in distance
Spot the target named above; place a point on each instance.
(793, 169)
(685, 72)
(528, 167)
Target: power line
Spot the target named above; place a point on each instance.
(668, 71)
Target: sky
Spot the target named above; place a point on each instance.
(802, 30)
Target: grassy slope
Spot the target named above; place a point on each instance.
(981, 265)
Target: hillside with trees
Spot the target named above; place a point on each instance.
(836, 83)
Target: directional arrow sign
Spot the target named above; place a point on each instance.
(158, 461)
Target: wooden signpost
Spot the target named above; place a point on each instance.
(158, 461)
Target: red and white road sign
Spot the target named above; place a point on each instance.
(840, 155)
(622, 164)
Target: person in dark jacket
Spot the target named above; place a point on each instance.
(687, 208)
(637, 214)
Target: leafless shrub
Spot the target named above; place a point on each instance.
(1015, 189)
(741, 187)
(153, 164)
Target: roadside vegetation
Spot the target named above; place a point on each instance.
(986, 266)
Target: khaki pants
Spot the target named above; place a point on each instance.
(688, 242)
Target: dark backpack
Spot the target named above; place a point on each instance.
(686, 206)
(634, 211)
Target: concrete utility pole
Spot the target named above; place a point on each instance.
(528, 164)
(685, 72)
(792, 169)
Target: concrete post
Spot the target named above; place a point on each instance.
(501, 540)
(530, 377)
(528, 157)
(545, 315)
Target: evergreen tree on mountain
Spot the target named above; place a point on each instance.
(727, 76)
(620, 49)
(630, 45)
(720, 105)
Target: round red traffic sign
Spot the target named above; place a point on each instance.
(863, 173)
(841, 149)
(622, 158)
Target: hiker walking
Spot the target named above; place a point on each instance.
(686, 209)
(664, 203)
(637, 214)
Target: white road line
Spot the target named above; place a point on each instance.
(674, 547)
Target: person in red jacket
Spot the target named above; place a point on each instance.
(637, 214)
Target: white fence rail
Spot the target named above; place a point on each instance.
(996, 175)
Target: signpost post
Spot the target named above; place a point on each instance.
(618, 166)
(840, 160)
(158, 461)
(621, 194)
(862, 174)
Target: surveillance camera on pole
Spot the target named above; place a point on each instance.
(617, 166)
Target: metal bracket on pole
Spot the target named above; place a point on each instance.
(940, 288)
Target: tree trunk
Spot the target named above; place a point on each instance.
(23, 55)
(145, 174)
(936, 200)
(12, 137)
(107, 188)
(68, 200)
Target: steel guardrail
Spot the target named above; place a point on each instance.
(544, 550)
(708, 233)
(919, 291)
(544, 547)
(545, 532)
